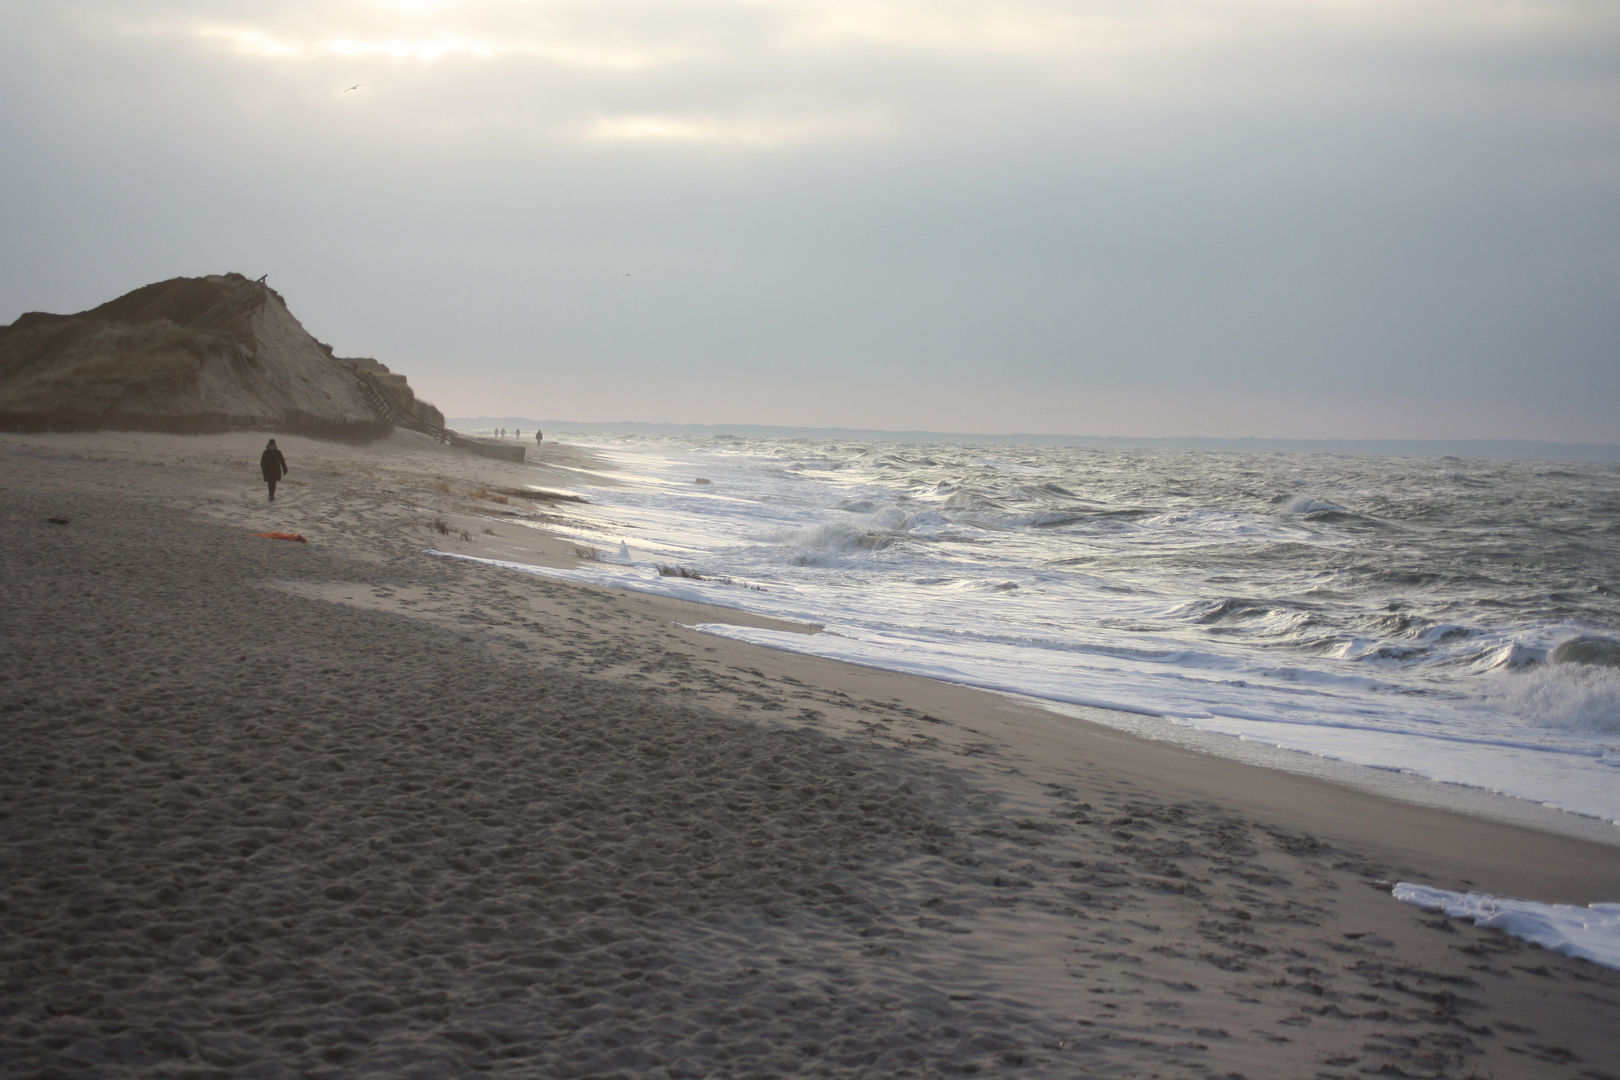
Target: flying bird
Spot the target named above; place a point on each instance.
(356, 86)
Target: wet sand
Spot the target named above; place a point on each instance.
(343, 809)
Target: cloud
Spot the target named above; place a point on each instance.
(1131, 75)
(1346, 201)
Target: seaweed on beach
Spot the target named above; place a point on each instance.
(669, 570)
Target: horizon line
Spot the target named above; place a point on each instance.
(1472, 447)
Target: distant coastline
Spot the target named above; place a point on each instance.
(1513, 449)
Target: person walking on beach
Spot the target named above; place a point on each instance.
(537, 435)
(273, 466)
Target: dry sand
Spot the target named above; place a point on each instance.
(344, 809)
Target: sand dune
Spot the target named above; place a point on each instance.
(188, 355)
(343, 809)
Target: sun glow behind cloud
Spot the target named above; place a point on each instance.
(762, 131)
(446, 45)
(422, 49)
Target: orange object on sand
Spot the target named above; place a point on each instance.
(283, 536)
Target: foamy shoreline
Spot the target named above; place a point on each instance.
(342, 808)
(1185, 587)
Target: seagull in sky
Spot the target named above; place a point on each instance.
(356, 86)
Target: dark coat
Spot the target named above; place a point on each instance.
(272, 464)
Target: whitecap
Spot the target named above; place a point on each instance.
(1513, 655)
(1565, 697)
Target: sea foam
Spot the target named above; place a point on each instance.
(1567, 697)
(1590, 933)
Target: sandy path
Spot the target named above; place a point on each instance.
(342, 809)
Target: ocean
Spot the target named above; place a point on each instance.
(1447, 619)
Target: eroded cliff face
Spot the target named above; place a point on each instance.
(396, 387)
(189, 354)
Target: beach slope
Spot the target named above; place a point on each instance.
(345, 808)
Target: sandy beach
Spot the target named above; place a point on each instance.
(345, 808)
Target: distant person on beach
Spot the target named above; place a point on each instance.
(273, 466)
(518, 434)
(537, 435)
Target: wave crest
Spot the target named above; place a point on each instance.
(1593, 651)
(822, 544)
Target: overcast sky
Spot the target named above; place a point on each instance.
(1293, 218)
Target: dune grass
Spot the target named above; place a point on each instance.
(74, 366)
(482, 492)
